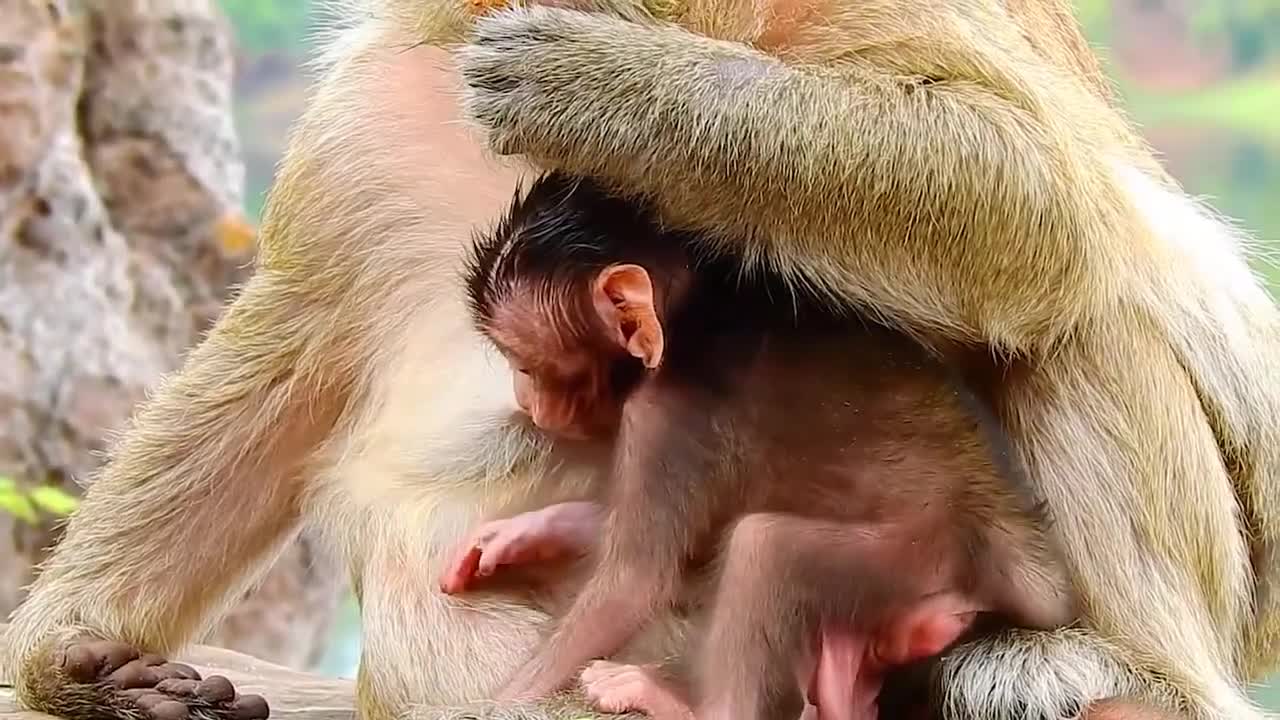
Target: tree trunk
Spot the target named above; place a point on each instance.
(119, 176)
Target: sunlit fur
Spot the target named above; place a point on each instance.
(959, 168)
(345, 388)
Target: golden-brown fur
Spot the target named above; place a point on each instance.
(958, 168)
(345, 388)
(1006, 204)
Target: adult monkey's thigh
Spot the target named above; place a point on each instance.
(959, 168)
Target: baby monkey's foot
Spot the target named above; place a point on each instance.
(616, 688)
(155, 687)
(544, 535)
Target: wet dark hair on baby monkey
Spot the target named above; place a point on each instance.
(869, 510)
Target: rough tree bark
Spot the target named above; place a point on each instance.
(119, 171)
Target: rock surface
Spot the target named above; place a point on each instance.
(120, 183)
(289, 693)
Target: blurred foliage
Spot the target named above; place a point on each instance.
(1252, 27)
(1248, 104)
(1095, 17)
(28, 503)
(269, 25)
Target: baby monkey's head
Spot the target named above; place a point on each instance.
(563, 287)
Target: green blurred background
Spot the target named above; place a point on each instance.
(1201, 78)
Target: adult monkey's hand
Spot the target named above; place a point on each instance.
(960, 169)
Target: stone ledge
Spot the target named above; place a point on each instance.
(290, 693)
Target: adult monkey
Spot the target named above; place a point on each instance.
(345, 386)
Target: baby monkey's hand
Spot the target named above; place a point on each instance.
(554, 532)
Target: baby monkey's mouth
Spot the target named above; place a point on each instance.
(597, 431)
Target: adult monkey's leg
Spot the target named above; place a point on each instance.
(198, 497)
(1000, 202)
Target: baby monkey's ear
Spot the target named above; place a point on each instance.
(623, 296)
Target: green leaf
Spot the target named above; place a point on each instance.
(54, 500)
(7, 483)
(18, 505)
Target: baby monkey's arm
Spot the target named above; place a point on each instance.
(667, 486)
(554, 532)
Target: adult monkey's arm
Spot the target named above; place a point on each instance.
(935, 164)
(919, 180)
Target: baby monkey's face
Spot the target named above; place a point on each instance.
(562, 380)
(577, 353)
(571, 397)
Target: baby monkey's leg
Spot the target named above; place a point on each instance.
(924, 629)
(844, 684)
(554, 532)
(851, 664)
(788, 580)
(841, 686)
(751, 665)
(618, 688)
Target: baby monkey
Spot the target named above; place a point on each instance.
(868, 505)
